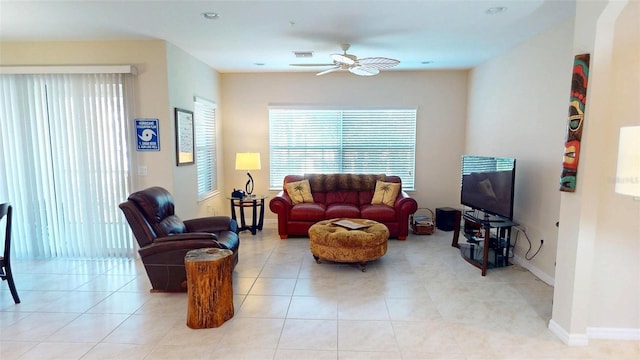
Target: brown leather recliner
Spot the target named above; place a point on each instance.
(164, 239)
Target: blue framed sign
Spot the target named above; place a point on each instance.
(147, 134)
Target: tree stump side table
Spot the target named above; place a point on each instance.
(209, 287)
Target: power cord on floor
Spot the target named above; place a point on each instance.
(526, 255)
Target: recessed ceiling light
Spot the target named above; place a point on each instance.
(495, 10)
(210, 15)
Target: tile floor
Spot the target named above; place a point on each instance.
(420, 301)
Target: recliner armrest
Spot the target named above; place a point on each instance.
(210, 224)
(186, 236)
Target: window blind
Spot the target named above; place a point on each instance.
(65, 162)
(350, 141)
(206, 154)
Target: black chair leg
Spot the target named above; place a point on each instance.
(12, 285)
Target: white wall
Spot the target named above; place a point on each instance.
(518, 106)
(440, 98)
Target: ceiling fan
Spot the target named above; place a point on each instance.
(364, 67)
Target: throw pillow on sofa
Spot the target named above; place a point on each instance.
(385, 193)
(299, 192)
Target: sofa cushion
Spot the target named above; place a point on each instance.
(364, 197)
(342, 197)
(308, 212)
(342, 211)
(386, 193)
(299, 192)
(381, 213)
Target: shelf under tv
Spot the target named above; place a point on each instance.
(489, 250)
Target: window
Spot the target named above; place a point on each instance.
(342, 141)
(65, 161)
(206, 160)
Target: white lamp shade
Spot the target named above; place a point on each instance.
(248, 161)
(628, 174)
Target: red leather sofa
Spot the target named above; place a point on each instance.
(341, 196)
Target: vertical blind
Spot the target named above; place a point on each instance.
(65, 163)
(206, 154)
(349, 141)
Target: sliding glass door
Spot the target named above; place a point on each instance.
(65, 163)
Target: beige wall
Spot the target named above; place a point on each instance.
(167, 78)
(189, 77)
(517, 108)
(604, 282)
(439, 96)
(597, 276)
(616, 269)
(151, 95)
(597, 292)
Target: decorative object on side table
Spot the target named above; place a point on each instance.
(248, 161)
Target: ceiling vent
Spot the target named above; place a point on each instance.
(303, 54)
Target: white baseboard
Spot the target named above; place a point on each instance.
(613, 333)
(569, 339)
(534, 270)
(593, 333)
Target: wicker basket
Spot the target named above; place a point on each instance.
(423, 222)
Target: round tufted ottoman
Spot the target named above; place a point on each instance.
(340, 244)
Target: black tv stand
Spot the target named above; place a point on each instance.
(481, 216)
(494, 239)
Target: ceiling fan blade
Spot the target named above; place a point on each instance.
(344, 59)
(364, 70)
(312, 64)
(378, 62)
(328, 71)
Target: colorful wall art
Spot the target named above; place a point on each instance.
(577, 101)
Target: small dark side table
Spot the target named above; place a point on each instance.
(254, 202)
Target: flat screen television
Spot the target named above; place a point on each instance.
(488, 184)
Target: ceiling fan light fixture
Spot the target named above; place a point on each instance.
(348, 62)
(343, 59)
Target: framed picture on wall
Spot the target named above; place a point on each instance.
(184, 137)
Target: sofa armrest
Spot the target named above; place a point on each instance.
(211, 224)
(405, 206)
(281, 205)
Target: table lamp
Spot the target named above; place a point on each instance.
(628, 174)
(248, 161)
